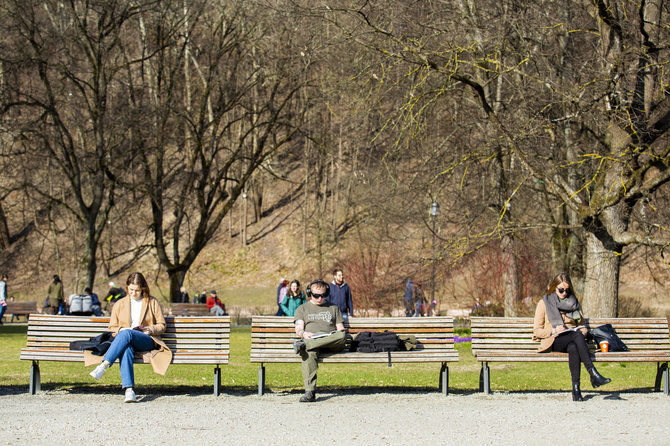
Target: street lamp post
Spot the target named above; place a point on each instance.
(244, 220)
(434, 212)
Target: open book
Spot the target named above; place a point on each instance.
(322, 335)
(568, 330)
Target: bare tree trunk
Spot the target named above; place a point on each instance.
(4, 229)
(601, 285)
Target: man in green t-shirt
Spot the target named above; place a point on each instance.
(320, 326)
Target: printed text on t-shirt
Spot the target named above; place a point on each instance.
(325, 316)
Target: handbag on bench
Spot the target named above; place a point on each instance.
(607, 333)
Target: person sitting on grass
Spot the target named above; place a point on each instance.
(320, 326)
(137, 323)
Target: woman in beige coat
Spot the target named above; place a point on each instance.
(556, 317)
(137, 323)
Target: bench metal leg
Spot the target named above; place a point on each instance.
(34, 385)
(485, 378)
(261, 379)
(662, 376)
(217, 381)
(444, 379)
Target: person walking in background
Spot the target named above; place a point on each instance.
(3, 296)
(340, 294)
(282, 289)
(215, 305)
(294, 298)
(137, 323)
(419, 301)
(55, 298)
(183, 296)
(557, 313)
(408, 299)
(203, 297)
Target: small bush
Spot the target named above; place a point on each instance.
(493, 309)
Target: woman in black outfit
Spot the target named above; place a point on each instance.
(557, 312)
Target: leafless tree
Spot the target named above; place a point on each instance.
(216, 102)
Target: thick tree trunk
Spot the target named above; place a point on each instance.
(176, 280)
(89, 259)
(601, 284)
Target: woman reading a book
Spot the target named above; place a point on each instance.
(559, 326)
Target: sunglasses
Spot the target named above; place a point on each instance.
(318, 296)
(562, 290)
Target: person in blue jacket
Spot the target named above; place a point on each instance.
(340, 294)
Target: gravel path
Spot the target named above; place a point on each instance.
(385, 418)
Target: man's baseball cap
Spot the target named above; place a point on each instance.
(213, 292)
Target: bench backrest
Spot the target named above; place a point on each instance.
(189, 309)
(432, 333)
(21, 307)
(516, 333)
(181, 333)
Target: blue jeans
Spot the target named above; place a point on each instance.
(123, 348)
(3, 308)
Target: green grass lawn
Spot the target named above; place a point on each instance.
(241, 376)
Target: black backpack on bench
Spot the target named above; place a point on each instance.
(372, 342)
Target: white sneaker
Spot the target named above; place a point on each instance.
(98, 371)
(130, 396)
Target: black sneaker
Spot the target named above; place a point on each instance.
(298, 346)
(308, 397)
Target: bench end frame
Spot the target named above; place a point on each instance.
(261, 379)
(444, 379)
(35, 384)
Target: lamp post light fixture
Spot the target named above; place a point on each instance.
(434, 212)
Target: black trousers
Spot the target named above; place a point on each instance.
(575, 345)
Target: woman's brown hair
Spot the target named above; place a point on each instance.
(290, 291)
(138, 279)
(560, 278)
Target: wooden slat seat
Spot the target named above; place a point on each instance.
(193, 340)
(20, 308)
(189, 309)
(507, 339)
(272, 340)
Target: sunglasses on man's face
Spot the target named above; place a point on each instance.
(319, 296)
(562, 290)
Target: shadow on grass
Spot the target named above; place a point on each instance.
(13, 328)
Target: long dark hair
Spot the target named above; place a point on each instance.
(290, 291)
(138, 279)
(560, 278)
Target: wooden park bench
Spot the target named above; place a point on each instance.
(509, 339)
(272, 340)
(189, 309)
(20, 309)
(193, 340)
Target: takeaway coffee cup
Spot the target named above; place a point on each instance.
(604, 346)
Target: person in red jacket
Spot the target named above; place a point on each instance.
(215, 305)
